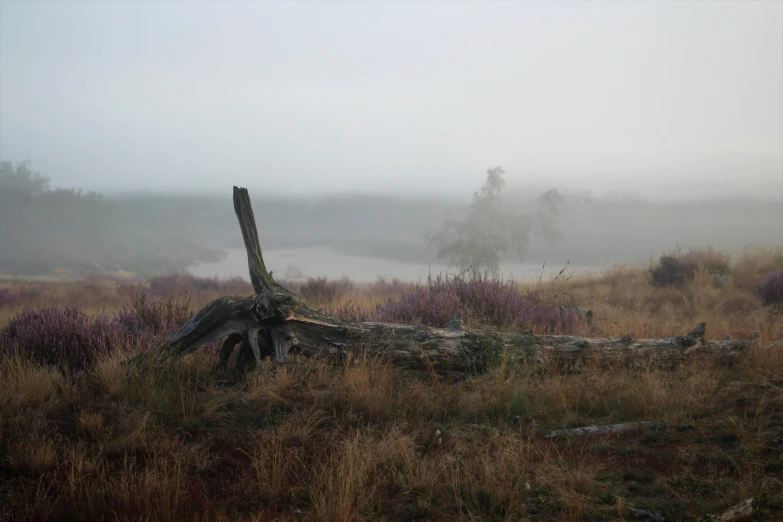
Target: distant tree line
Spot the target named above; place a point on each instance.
(43, 229)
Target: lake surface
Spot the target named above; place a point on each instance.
(292, 264)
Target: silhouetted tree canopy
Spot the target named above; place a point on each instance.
(20, 180)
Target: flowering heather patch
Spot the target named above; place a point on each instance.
(435, 304)
(673, 271)
(66, 337)
(61, 336)
(479, 299)
(770, 291)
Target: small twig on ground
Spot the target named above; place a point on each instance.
(606, 430)
(739, 511)
(646, 515)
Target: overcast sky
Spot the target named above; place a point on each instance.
(655, 98)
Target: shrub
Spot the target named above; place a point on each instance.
(65, 337)
(770, 291)
(480, 300)
(148, 318)
(710, 260)
(434, 304)
(323, 290)
(673, 271)
(385, 286)
(756, 264)
(60, 336)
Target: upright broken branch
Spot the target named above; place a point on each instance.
(259, 276)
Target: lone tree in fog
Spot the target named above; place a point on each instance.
(491, 229)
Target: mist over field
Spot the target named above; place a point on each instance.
(356, 234)
(358, 128)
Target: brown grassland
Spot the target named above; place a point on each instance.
(362, 440)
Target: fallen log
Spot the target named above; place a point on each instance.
(277, 322)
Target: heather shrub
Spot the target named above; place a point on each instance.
(481, 301)
(673, 271)
(64, 336)
(61, 336)
(770, 290)
(322, 289)
(147, 318)
(434, 304)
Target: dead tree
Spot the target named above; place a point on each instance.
(277, 322)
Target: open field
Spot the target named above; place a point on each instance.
(362, 440)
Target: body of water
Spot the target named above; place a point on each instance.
(301, 263)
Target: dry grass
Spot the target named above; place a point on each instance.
(365, 441)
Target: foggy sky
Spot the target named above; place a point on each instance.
(665, 99)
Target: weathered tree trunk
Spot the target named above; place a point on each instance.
(277, 321)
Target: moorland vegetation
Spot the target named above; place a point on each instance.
(363, 440)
